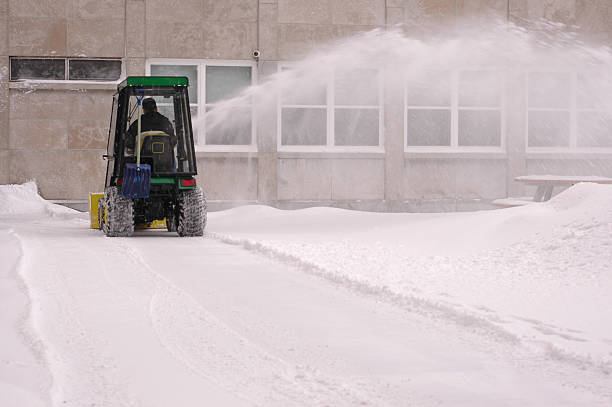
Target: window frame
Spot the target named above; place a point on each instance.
(330, 106)
(66, 79)
(200, 134)
(573, 111)
(455, 108)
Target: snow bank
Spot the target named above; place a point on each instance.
(584, 196)
(539, 274)
(23, 199)
(20, 199)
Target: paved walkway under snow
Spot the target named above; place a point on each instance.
(156, 320)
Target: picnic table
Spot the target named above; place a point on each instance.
(545, 186)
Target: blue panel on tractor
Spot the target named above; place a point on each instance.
(136, 181)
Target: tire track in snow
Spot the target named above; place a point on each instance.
(96, 383)
(211, 349)
(533, 355)
(26, 323)
(418, 305)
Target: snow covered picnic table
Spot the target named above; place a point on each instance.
(545, 186)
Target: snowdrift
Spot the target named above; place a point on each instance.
(534, 281)
(539, 274)
(23, 199)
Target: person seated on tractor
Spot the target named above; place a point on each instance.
(151, 120)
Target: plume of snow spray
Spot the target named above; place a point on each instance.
(401, 59)
(493, 59)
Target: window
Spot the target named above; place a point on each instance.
(549, 109)
(429, 110)
(65, 69)
(30, 68)
(169, 158)
(164, 106)
(216, 125)
(234, 124)
(454, 110)
(593, 113)
(339, 112)
(568, 110)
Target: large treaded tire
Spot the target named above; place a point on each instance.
(119, 214)
(191, 213)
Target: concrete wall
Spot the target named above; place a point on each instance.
(4, 94)
(56, 133)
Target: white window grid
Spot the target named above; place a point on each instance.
(201, 105)
(454, 110)
(330, 107)
(573, 111)
(67, 70)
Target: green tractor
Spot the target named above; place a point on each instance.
(150, 173)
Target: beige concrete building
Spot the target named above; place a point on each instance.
(54, 129)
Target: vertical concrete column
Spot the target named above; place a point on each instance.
(4, 93)
(516, 128)
(95, 29)
(135, 32)
(267, 157)
(393, 109)
(267, 29)
(394, 139)
(394, 13)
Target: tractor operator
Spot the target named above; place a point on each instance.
(151, 120)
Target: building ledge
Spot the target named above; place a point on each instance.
(367, 205)
(63, 85)
(291, 155)
(569, 155)
(81, 205)
(226, 154)
(331, 154)
(482, 155)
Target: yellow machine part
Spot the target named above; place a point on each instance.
(156, 224)
(94, 223)
(94, 198)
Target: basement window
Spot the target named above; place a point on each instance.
(33, 68)
(72, 69)
(94, 70)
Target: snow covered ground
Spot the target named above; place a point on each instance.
(319, 306)
(541, 273)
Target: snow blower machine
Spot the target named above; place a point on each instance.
(151, 164)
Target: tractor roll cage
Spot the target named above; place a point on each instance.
(171, 92)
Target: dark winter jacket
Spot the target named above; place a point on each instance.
(150, 121)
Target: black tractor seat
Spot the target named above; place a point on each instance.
(156, 150)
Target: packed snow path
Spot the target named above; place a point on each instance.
(156, 320)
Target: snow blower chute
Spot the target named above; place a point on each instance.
(151, 164)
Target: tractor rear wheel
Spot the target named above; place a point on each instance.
(191, 213)
(118, 214)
